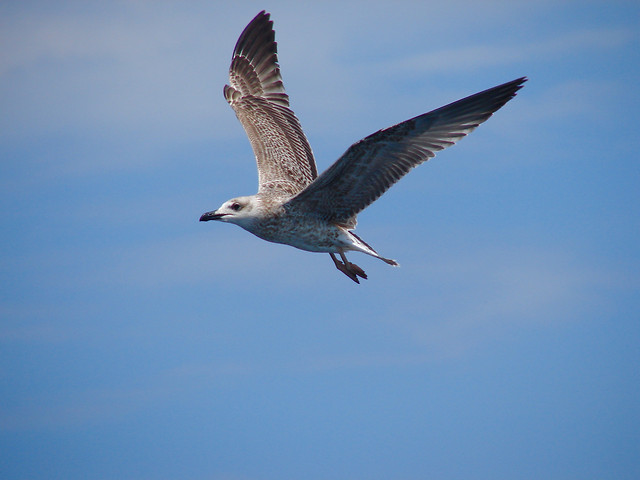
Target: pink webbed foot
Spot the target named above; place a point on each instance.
(351, 270)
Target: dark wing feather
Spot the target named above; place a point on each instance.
(256, 94)
(369, 167)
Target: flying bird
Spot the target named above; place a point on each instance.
(294, 205)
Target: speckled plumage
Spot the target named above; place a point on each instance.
(293, 205)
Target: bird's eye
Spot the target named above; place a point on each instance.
(235, 206)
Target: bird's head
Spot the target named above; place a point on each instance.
(240, 210)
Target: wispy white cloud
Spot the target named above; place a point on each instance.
(475, 57)
(161, 69)
(500, 291)
(142, 78)
(87, 406)
(473, 301)
(148, 72)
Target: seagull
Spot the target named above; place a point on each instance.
(294, 206)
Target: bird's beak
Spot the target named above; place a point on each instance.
(211, 216)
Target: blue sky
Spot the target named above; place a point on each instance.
(138, 343)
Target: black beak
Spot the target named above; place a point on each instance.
(211, 216)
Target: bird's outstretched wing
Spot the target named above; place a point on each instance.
(256, 94)
(369, 167)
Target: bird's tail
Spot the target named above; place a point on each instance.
(364, 247)
(389, 261)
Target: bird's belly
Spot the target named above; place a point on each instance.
(312, 236)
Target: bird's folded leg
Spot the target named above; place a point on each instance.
(353, 267)
(344, 269)
(351, 270)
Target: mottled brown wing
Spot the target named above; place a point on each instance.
(256, 94)
(368, 168)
